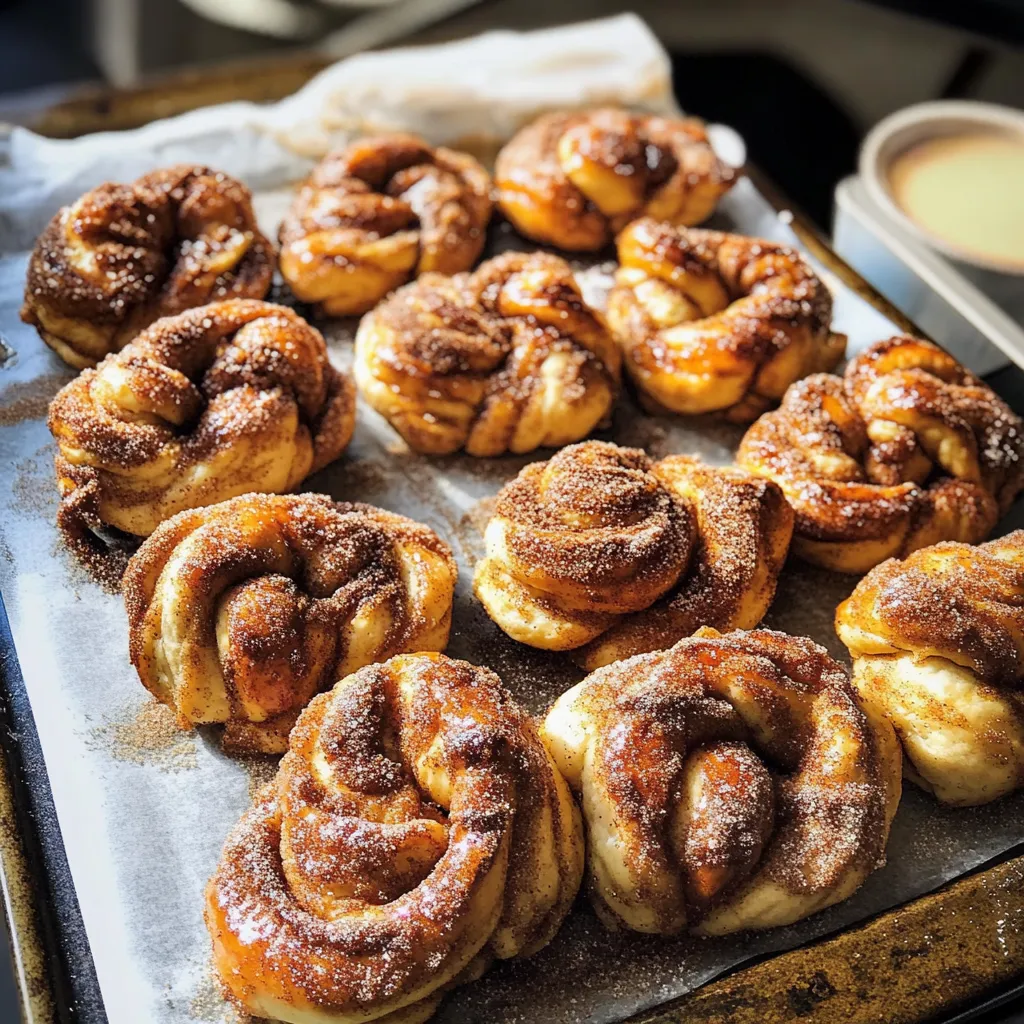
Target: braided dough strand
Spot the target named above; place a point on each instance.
(730, 782)
(906, 449)
(717, 323)
(606, 553)
(937, 641)
(416, 831)
(123, 256)
(239, 613)
(232, 397)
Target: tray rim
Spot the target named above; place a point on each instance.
(51, 954)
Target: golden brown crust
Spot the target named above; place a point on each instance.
(123, 256)
(379, 212)
(937, 641)
(743, 530)
(730, 782)
(906, 449)
(717, 323)
(956, 601)
(507, 358)
(603, 551)
(575, 178)
(417, 830)
(240, 612)
(232, 397)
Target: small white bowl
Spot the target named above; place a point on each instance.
(898, 132)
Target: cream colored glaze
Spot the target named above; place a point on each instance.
(967, 190)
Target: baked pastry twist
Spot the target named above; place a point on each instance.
(379, 212)
(239, 613)
(574, 179)
(906, 449)
(124, 255)
(507, 358)
(417, 830)
(730, 782)
(717, 323)
(602, 550)
(938, 647)
(232, 397)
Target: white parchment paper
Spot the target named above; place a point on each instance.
(144, 809)
(473, 93)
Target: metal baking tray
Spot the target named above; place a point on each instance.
(983, 330)
(57, 970)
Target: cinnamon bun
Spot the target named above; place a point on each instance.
(603, 551)
(416, 831)
(717, 323)
(730, 782)
(505, 359)
(937, 641)
(378, 213)
(240, 612)
(232, 397)
(906, 449)
(123, 256)
(573, 179)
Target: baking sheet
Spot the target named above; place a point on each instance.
(144, 808)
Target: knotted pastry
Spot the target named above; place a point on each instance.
(938, 647)
(507, 358)
(239, 613)
(575, 179)
(906, 449)
(232, 397)
(717, 323)
(730, 782)
(416, 831)
(604, 551)
(124, 255)
(379, 212)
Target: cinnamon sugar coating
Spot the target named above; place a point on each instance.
(123, 256)
(937, 641)
(228, 398)
(711, 322)
(605, 552)
(575, 178)
(416, 831)
(239, 613)
(379, 212)
(730, 782)
(906, 449)
(505, 359)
